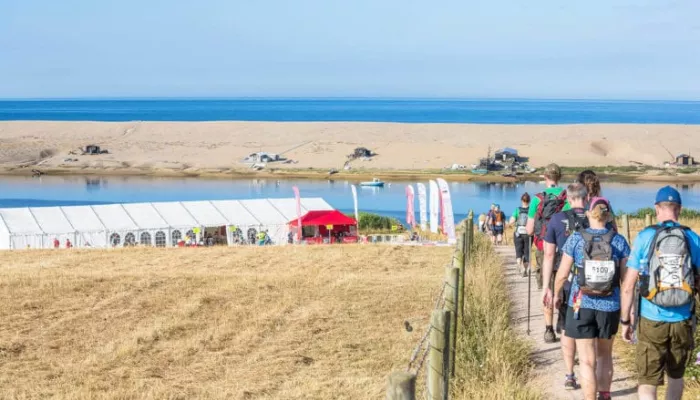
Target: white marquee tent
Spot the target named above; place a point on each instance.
(148, 224)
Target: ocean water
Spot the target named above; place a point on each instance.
(389, 201)
(370, 110)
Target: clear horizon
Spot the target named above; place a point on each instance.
(221, 49)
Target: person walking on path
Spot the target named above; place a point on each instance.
(542, 207)
(590, 180)
(598, 256)
(665, 262)
(496, 223)
(560, 228)
(520, 236)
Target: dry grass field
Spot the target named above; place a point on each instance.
(243, 323)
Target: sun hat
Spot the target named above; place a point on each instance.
(668, 194)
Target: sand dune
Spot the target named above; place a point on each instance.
(181, 146)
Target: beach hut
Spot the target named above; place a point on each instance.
(685, 160)
(161, 224)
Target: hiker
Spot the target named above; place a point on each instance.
(560, 228)
(542, 207)
(482, 223)
(592, 183)
(496, 223)
(596, 257)
(520, 236)
(56, 243)
(665, 329)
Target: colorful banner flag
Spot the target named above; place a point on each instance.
(410, 207)
(422, 205)
(448, 220)
(298, 199)
(434, 206)
(354, 200)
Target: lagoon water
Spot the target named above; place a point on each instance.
(390, 201)
(367, 110)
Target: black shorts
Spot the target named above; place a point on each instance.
(592, 324)
(521, 247)
(497, 230)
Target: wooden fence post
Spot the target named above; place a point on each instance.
(626, 227)
(451, 296)
(462, 271)
(438, 376)
(402, 386)
(647, 220)
(470, 229)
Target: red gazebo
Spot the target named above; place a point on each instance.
(326, 226)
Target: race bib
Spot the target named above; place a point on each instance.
(599, 271)
(499, 224)
(522, 230)
(671, 270)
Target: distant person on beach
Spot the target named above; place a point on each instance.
(666, 263)
(496, 223)
(595, 257)
(482, 223)
(560, 228)
(520, 236)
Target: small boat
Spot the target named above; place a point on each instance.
(480, 171)
(374, 183)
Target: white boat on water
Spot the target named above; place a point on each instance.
(373, 183)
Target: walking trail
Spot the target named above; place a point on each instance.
(549, 367)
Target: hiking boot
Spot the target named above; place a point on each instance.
(604, 396)
(524, 272)
(549, 336)
(570, 383)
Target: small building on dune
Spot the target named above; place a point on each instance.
(506, 154)
(685, 160)
(162, 224)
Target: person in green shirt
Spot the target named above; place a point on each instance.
(555, 201)
(520, 236)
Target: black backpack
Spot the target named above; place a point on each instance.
(575, 222)
(549, 205)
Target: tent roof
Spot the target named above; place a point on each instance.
(146, 216)
(324, 217)
(508, 150)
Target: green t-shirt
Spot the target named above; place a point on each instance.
(535, 202)
(516, 213)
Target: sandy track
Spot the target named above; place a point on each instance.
(549, 366)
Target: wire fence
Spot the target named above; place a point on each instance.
(431, 362)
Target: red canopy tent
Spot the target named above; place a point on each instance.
(328, 224)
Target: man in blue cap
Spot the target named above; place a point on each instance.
(665, 262)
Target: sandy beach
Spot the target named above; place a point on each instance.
(217, 148)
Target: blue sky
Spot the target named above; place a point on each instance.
(620, 49)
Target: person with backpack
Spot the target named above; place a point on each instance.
(520, 236)
(542, 207)
(665, 264)
(496, 222)
(560, 228)
(595, 257)
(590, 180)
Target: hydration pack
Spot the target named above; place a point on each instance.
(549, 205)
(521, 222)
(574, 222)
(671, 278)
(599, 273)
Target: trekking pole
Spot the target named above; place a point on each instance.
(529, 282)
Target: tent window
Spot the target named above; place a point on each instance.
(146, 239)
(160, 238)
(115, 239)
(252, 235)
(176, 236)
(237, 236)
(130, 239)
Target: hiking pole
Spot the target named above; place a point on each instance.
(529, 282)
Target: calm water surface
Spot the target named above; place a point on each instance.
(391, 201)
(370, 110)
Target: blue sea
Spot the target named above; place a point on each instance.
(368, 110)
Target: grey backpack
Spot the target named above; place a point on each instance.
(521, 223)
(599, 273)
(671, 278)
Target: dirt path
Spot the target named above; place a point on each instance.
(550, 370)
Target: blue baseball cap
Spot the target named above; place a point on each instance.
(668, 194)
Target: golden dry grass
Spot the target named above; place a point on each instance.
(493, 361)
(226, 323)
